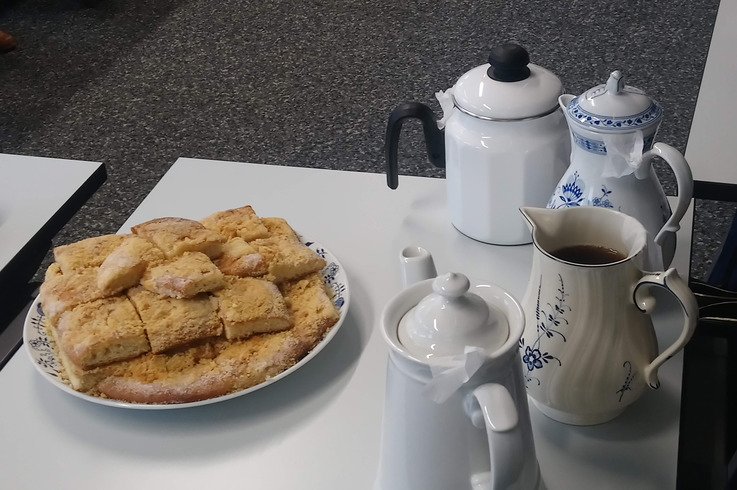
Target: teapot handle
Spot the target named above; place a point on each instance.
(684, 180)
(434, 138)
(495, 410)
(672, 282)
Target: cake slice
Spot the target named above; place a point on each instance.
(174, 236)
(288, 258)
(54, 270)
(184, 376)
(87, 253)
(125, 266)
(312, 308)
(241, 259)
(62, 292)
(279, 227)
(183, 277)
(240, 222)
(101, 332)
(171, 322)
(80, 379)
(248, 305)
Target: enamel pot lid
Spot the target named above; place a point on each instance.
(508, 88)
(614, 106)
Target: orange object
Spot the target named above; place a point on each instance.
(7, 42)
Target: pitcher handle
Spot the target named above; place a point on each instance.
(497, 412)
(684, 181)
(672, 282)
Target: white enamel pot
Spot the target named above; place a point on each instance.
(503, 142)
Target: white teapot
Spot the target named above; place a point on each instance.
(504, 144)
(612, 128)
(456, 413)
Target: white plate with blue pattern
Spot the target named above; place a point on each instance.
(39, 348)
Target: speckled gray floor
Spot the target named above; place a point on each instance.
(138, 83)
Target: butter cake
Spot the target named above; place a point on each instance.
(186, 376)
(279, 227)
(312, 308)
(240, 222)
(90, 252)
(54, 270)
(80, 379)
(125, 266)
(174, 236)
(181, 311)
(241, 259)
(248, 306)
(184, 277)
(288, 258)
(171, 322)
(228, 366)
(101, 332)
(62, 292)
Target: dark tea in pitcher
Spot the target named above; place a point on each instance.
(589, 254)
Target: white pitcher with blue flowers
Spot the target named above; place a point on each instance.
(613, 127)
(589, 348)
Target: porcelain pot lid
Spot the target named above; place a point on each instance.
(450, 319)
(508, 88)
(614, 106)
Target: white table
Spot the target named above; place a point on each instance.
(33, 194)
(319, 428)
(38, 196)
(712, 146)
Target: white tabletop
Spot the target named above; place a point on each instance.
(712, 146)
(320, 427)
(32, 191)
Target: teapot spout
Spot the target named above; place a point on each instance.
(564, 100)
(416, 265)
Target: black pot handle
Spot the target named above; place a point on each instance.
(434, 138)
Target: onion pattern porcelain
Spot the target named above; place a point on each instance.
(589, 348)
(504, 144)
(456, 413)
(612, 129)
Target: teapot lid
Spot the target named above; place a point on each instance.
(508, 88)
(614, 106)
(451, 319)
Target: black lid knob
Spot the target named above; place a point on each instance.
(508, 63)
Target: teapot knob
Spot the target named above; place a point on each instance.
(508, 63)
(451, 285)
(615, 84)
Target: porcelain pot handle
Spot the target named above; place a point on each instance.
(497, 412)
(684, 180)
(672, 282)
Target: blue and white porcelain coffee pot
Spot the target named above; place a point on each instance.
(613, 127)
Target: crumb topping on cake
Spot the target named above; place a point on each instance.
(182, 311)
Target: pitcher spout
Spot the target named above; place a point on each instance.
(564, 100)
(555, 229)
(542, 221)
